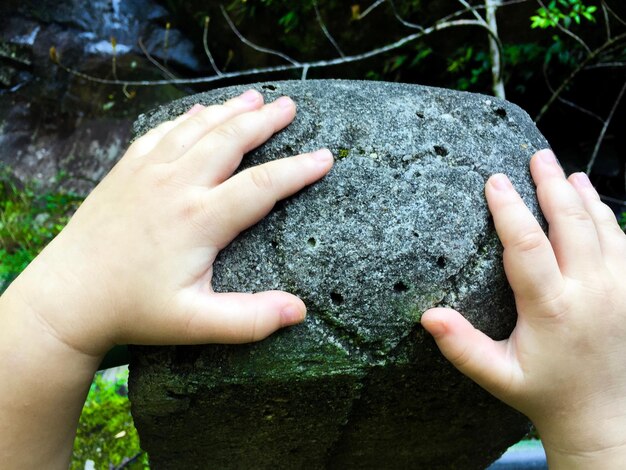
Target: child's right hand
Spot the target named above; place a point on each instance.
(564, 365)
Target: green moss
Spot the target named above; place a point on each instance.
(343, 153)
(30, 218)
(106, 433)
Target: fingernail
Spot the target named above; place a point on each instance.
(583, 180)
(284, 102)
(547, 156)
(322, 155)
(195, 109)
(250, 96)
(500, 182)
(291, 315)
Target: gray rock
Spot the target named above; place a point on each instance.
(399, 225)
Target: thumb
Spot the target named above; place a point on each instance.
(240, 318)
(487, 362)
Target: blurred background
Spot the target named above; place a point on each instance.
(75, 74)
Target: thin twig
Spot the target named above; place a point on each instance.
(439, 26)
(205, 45)
(253, 45)
(369, 9)
(155, 62)
(615, 15)
(583, 65)
(546, 79)
(472, 10)
(325, 30)
(402, 20)
(607, 23)
(594, 155)
(606, 65)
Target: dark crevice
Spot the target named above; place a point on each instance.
(440, 150)
(400, 287)
(500, 112)
(470, 264)
(336, 298)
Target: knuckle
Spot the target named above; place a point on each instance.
(576, 213)
(164, 175)
(462, 358)
(228, 132)
(553, 307)
(201, 214)
(261, 178)
(529, 241)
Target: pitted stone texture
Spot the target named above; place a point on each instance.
(399, 225)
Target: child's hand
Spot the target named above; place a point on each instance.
(134, 263)
(564, 365)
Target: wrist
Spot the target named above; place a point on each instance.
(65, 304)
(604, 459)
(41, 405)
(597, 440)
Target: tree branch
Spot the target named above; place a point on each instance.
(583, 65)
(495, 52)
(254, 46)
(205, 46)
(563, 29)
(294, 65)
(155, 62)
(325, 30)
(596, 149)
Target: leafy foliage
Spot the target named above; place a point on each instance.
(106, 433)
(562, 12)
(622, 221)
(29, 219)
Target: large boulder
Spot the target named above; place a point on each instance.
(399, 225)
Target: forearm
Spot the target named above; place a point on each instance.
(43, 385)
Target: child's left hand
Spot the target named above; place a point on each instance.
(134, 263)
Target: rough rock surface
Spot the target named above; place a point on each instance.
(399, 225)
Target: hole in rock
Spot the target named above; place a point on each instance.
(400, 287)
(500, 112)
(269, 87)
(441, 262)
(440, 150)
(336, 298)
(415, 234)
(312, 242)
(419, 114)
(274, 244)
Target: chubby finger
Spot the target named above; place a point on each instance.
(235, 317)
(147, 142)
(247, 197)
(218, 154)
(572, 232)
(194, 125)
(611, 236)
(485, 361)
(530, 264)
